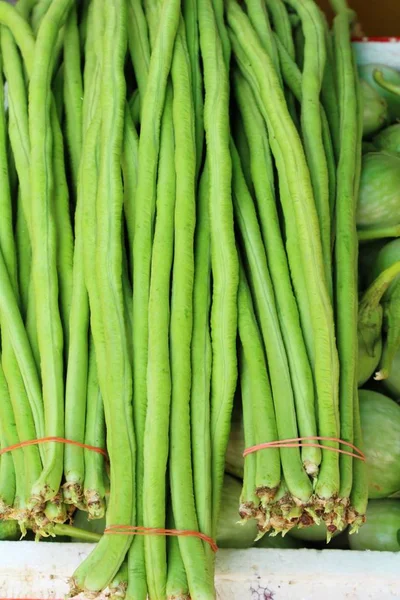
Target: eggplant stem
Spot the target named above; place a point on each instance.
(386, 85)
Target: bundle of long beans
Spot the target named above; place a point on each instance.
(178, 190)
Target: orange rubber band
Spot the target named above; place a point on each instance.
(298, 443)
(60, 440)
(139, 530)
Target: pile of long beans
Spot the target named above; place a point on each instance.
(178, 191)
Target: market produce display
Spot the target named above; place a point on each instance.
(198, 269)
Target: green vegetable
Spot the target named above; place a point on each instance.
(388, 257)
(381, 531)
(380, 423)
(388, 139)
(379, 198)
(375, 109)
(392, 76)
(370, 323)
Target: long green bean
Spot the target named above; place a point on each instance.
(44, 244)
(58, 93)
(359, 490)
(63, 226)
(257, 401)
(242, 146)
(177, 584)
(190, 17)
(281, 23)
(149, 144)
(13, 369)
(95, 435)
(134, 107)
(159, 382)
(90, 164)
(7, 242)
(23, 384)
(259, 18)
(130, 173)
(138, 43)
(180, 461)
(73, 93)
(24, 257)
(76, 392)
(39, 10)
(249, 501)
(311, 121)
(346, 243)
(19, 138)
(202, 363)
(12, 469)
(224, 260)
(329, 92)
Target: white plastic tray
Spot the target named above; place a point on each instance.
(29, 570)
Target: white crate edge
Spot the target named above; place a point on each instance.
(387, 53)
(30, 570)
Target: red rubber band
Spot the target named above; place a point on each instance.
(60, 440)
(298, 443)
(140, 530)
